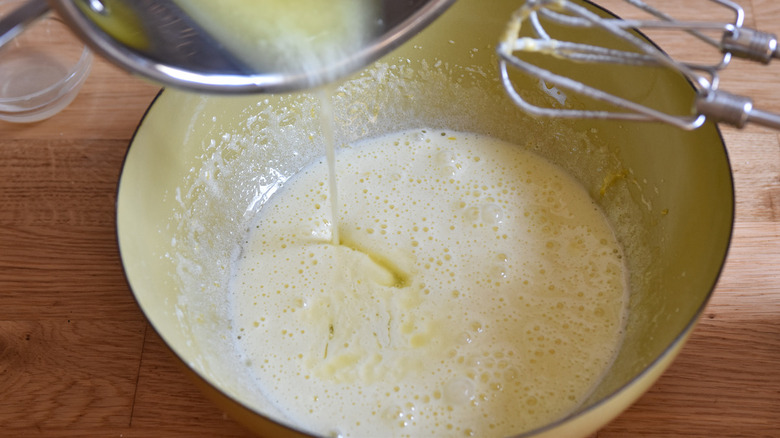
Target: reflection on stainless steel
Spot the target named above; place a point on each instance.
(160, 40)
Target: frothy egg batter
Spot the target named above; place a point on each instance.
(476, 290)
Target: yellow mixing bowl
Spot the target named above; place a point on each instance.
(199, 166)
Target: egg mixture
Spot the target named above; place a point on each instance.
(475, 290)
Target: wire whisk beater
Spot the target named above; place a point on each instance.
(530, 36)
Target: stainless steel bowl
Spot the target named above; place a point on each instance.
(237, 47)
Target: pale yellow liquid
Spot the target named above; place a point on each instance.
(477, 291)
(329, 136)
(282, 36)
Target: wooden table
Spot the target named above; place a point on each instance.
(77, 357)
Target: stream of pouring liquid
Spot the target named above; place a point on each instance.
(329, 137)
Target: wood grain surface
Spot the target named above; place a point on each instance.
(77, 358)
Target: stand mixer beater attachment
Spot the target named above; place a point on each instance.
(531, 34)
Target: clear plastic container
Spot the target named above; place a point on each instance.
(41, 70)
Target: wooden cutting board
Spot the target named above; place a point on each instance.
(77, 357)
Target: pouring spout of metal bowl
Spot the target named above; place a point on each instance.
(242, 46)
(531, 46)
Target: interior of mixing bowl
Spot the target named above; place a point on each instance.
(200, 167)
